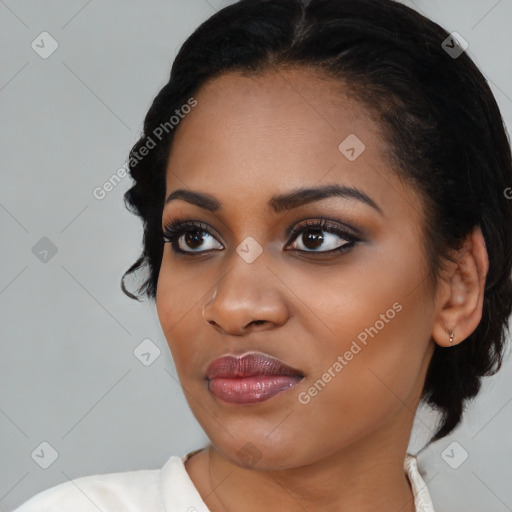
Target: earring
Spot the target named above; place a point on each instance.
(450, 333)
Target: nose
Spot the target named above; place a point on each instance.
(248, 298)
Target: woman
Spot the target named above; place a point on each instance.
(328, 240)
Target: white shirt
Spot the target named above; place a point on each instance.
(168, 489)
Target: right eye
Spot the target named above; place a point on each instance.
(188, 237)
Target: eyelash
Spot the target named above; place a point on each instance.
(178, 227)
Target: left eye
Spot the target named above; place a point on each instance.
(314, 236)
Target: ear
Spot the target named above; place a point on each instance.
(460, 294)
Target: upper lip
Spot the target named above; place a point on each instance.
(248, 365)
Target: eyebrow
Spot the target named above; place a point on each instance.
(281, 202)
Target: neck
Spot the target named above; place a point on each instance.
(363, 477)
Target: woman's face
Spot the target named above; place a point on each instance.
(354, 325)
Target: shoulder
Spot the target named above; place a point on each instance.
(128, 491)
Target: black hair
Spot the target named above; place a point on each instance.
(444, 130)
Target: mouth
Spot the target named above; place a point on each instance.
(250, 379)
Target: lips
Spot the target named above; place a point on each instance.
(250, 379)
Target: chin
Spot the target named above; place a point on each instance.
(253, 451)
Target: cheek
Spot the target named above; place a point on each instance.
(178, 309)
(373, 331)
(373, 383)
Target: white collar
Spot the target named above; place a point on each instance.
(179, 493)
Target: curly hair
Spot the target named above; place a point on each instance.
(443, 127)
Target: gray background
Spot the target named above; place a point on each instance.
(69, 376)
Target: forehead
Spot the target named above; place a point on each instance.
(252, 136)
(290, 113)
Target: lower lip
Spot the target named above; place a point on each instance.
(251, 390)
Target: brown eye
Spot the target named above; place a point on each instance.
(189, 237)
(312, 239)
(315, 236)
(193, 239)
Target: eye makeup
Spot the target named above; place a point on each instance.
(176, 231)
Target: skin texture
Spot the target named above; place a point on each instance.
(248, 139)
